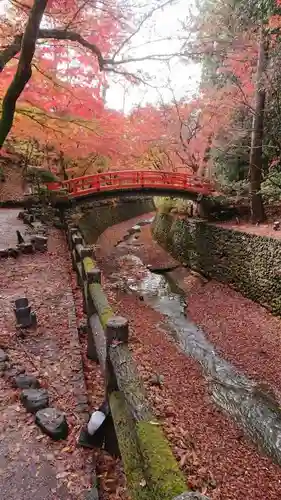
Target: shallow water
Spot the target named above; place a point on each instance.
(256, 412)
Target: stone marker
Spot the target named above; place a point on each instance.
(25, 318)
(22, 302)
(52, 422)
(24, 381)
(34, 399)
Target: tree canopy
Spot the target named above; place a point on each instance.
(58, 58)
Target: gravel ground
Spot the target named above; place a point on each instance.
(213, 452)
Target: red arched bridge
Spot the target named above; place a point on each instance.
(132, 181)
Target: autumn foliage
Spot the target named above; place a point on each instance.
(81, 45)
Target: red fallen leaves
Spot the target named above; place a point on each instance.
(109, 471)
(50, 352)
(213, 453)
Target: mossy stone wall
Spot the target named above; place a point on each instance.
(250, 263)
(98, 216)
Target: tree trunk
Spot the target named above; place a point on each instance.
(255, 167)
(203, 167)
(24, 71)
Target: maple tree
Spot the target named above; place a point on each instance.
(229, 131)
(81, 43)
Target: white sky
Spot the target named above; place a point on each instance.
(184, 77)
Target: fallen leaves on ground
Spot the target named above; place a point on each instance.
(211, 450)
(51, 353)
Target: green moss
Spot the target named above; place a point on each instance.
(101, 304)
(88, 264)
(95, 218)
(164, 477)
(250, 263)
(127, 440)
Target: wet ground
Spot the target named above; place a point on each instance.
(200, 374)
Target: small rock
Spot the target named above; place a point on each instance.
(34, 399)
(13, 252)
(23, 381)
(12, 372)
(3, 356)
(276, 225)
(157, 380)
(134, 229)
(26, 248)
(52, 422)
(40, 242)
(4, 253)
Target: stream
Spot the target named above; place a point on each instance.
(257, 412)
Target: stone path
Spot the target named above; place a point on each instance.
(31, 465)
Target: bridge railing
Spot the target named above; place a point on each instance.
(132, 179)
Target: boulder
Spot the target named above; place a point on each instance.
(52, 422)
(34, 399)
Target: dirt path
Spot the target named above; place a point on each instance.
(31, 465)
(213, 452)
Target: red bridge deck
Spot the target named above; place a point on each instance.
(130, 180)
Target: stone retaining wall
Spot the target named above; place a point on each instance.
(248, 262)
(95, 217)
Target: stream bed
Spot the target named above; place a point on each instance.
(256, 411)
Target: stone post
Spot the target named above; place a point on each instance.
(93, 276)
(116, 332)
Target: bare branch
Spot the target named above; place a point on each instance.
(138, 28)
